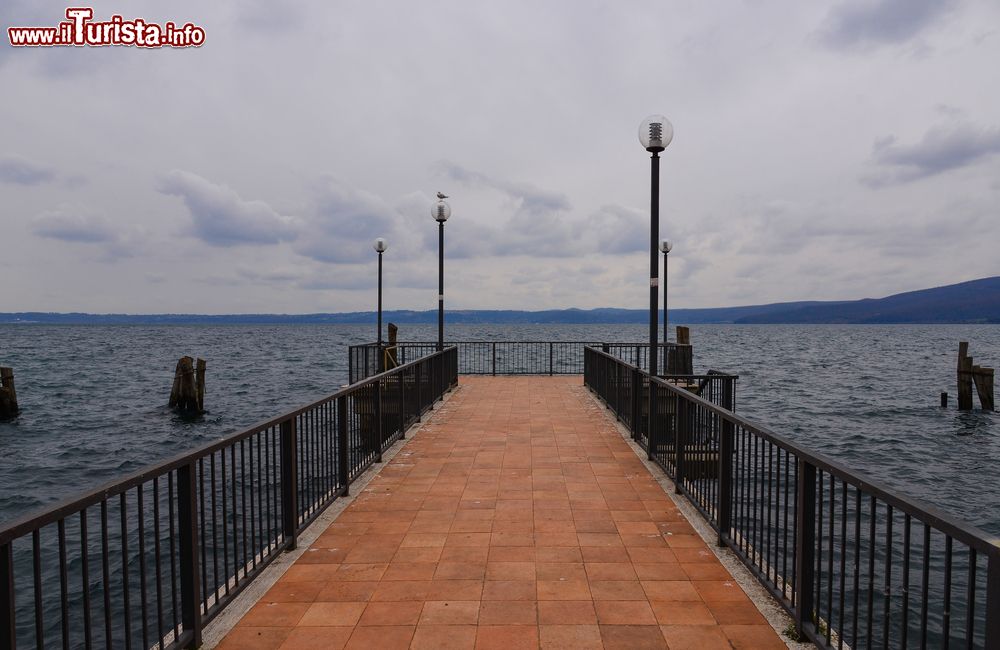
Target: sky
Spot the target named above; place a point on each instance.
(822, 151)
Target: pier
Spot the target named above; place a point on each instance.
(518, 515)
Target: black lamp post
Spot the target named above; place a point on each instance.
(666, 247)
(380, 247)
(441, 211)
(655, 133)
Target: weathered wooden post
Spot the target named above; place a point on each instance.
(964, 377)
(969, 374)
(983, 379)
(200, 384)
(391, 357)
(8, 395)
(683, 335)
(188, 392)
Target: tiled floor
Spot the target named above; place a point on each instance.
(516, 518)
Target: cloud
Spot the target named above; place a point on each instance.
(21, 171)
(528, 220)
(343, 222)
(868, 23)
(528, 198)
(70, 224)
(220, 217)
(615, 229)
(78, 225)
(943, 148)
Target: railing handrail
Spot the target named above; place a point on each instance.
(930, 514)
(52, 513)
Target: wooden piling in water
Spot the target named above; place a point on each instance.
(969, 375)
(188, 392)
(199, 377)
(964, 377)
(8, 394)
(391, 358)
(983, 379)
(683, 335)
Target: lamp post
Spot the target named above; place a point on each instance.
(666, 247)
(655, 133)
(380, 247)
(441, 211)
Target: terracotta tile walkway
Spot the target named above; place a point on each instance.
(516, 518)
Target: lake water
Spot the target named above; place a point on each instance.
(94, 397)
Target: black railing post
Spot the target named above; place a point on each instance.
(618, 391)
(418, 372)
(8, 633)
(805, 545)
(401, 396)
(289, 483)
(379, 434)
(636, 402)
(344, 464)
(550, 358)
(651, 421)
(683, 422)
(494, 358)
(350, 364)
(439, 387)
(993, 601)
(725, 480)
(187, 520)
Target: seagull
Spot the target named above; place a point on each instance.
(442, 195)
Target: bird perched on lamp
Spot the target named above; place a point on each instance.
(442, 195)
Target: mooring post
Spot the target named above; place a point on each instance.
(8, 394)
(964, 377)
(944, 399)
(391, 356)
(983, 379)
(199, 378)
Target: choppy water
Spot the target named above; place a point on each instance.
(93, 397)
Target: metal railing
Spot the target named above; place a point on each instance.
(148, 560)
(856, 564)
(519, 357)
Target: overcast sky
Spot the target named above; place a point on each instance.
(822, 150)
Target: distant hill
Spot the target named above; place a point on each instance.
(977, 301)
